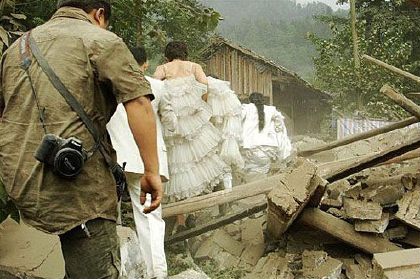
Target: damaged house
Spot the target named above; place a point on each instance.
(304, 106)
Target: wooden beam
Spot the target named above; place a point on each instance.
(407, 156)
(344, 231)
(265, 186)
(215, 224)
(252, 189)
(392, 68)
(401, 100)
(357, 137)
(370, 161)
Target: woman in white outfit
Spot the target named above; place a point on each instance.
(192, 141)
(264, 137)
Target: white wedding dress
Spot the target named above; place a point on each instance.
(195, 166)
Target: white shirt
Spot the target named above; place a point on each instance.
(123, 140)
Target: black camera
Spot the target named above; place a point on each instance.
(66, 156)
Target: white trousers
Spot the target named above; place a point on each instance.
(150, 231)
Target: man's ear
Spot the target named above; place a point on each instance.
(100, 15)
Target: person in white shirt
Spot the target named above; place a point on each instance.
(264, 137)
(150, 227)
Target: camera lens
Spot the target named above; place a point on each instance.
(68, 162)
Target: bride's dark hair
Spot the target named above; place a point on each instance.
(176, 50)
(258, 100)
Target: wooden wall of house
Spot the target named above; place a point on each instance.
(306, 111)
(242, 71)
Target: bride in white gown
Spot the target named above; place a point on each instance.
(192, 141)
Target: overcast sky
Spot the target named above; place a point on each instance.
(332, 3)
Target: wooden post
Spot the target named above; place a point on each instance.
(344, 231)
(391, 68)
(357, 137)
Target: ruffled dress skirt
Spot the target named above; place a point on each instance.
(195, 167)
(227, 118)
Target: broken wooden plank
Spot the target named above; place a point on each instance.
(391, 68)
(215, 224)
(252, 189)
(397, 264)
(358, 137)
(344, 231)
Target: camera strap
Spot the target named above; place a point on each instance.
(62, 89)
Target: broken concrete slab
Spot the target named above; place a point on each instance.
(409, 209)
(318, 265)
(252, 230)
(228, 243)
(30, 251)
(336, 189)
(226, 260)
(354, 271)
(354, 191)
(373, 226)
(362, 210)
(396, 233)
(328, 203)
(313, 259)
(253, 253)
(331, 269)
(397, 264)
(207, 250)
(385, 195)
(290, 197)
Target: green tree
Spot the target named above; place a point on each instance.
(387, 30)
(148, 22)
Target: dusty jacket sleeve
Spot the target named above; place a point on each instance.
(116, 64)
(1, 88)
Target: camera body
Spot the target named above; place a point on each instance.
(66, 156)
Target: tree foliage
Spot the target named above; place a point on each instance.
(148, 22)
(387, 30)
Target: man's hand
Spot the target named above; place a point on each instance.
(151, 184)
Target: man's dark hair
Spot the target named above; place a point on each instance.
(88, 5)
(139, 54)
(176, 50)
